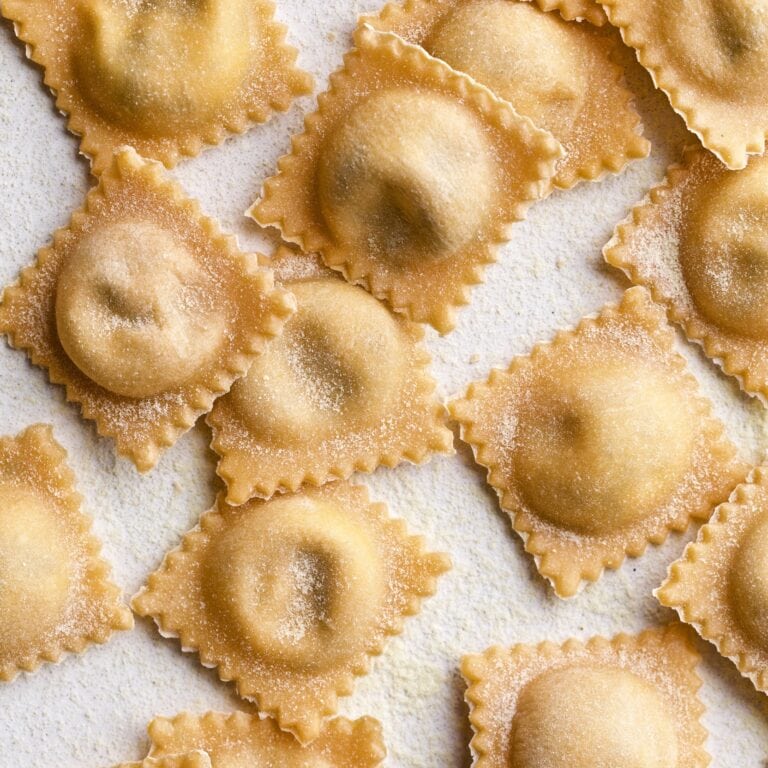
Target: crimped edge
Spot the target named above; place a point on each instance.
(480, 713)
(683, 570)
(200, 397)
(195, 759)
(498, 113)
(682, 99)
(575, 10)
(39, 440)
(558, 569)
(697, 329)
(161, 729)
(635, 146)
(343, 683)
(434, 437)
(99, 152)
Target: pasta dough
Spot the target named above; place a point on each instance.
(698, 243)
(290, 598)
(407, 177)
(159, 68)
(612, 718)
(720, 584)
(133, 336)
(709, 57)
(599, 443)
(345, 388)
(576, 90)
(143, 357)
(166, 77)
(56, 596)
(240, 740)
(629, 701)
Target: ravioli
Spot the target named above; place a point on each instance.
(238, 739)
(576, 90)
(698, 243)
(143, 358)
(709, 57)
(345, 388)
(290, 598)
(630, 701)
(599, 443)
(720, 584)
(407, 177)
(56, 595)
(165, 77)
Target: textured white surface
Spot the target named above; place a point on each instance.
(92, 710)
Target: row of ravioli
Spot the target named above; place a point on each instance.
(410, 172)
(631, 702)
(171, 80)
(337, 577)
(586, 472)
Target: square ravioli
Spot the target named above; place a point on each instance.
(720, 584)
(699, 243)
(292, 597)
(599, 443)
(195, 759)
(240, 739)
(710, 58)
(166, 78)
(576, 91)
(55, 595)
(407, 178)
(628, 702)
(345, 388)
(143, 358)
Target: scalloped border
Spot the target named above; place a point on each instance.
(575, 10)
(689, 570)
(236, 464)
(44, 457)
(162, 731)
(558, 562)
(414, 20)
(195, 398)
(94, 131)
(435, 74)
(716, 343)
(353, 498)
(684, 98)
(662, 643)
(194, 759)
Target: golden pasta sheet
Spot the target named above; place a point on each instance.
(599, 443)
(55, 592)
(699, 243)
(240, 739)
(290, 598)
(143, 356)
(561, 75)
(628, 702)
(165, 77)
(710, 58)
(345, 388)
(720, 584)
(407, 177)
